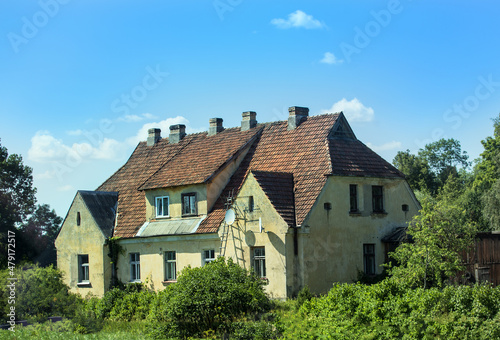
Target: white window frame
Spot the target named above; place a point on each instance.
(208, 256)
(135, 267)
(162, 200)
(170, 265)
(83, 269)
(259, 261)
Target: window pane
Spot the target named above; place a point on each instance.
(353, 189)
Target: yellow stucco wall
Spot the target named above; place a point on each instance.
(219, 182)
(331, 241)
(245, 234)
(175, 198)
(85, 239)
(189, 251)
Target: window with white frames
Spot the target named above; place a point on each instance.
(259, 261)
(208, 256)
(170, 266)
(135, 267)
(162, 207)
(83, 268)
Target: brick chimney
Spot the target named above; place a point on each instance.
(154, 135)
(215, 126)
(297, 115)
(177, 132)
(248, 120)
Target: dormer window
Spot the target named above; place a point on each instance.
(162, 208)
(189, 204)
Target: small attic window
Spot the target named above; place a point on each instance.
(78, 219)
(251, 204)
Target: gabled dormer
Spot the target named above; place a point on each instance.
(341, 129)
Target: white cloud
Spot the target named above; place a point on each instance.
(163, 125)
(330, 58)
(44, 175)
(75, 132)
(354, 110)
(47, 148)
(136, 118)
(385, 147)
(66, 188)
(297, 19)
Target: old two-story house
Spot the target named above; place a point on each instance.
(300, 202)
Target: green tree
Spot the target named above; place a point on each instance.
(39, 233)
(416, 170)
(439, 233)
(487, 170)
(40, 293)
(17, 198)
(206, 299)
(444, 158)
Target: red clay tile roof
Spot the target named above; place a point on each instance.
(353, 158)
(201, 159)
(305, 153)
(278, 187)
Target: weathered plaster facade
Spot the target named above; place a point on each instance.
(84, 239)
(289, 184)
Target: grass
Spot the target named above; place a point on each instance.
(116, 330)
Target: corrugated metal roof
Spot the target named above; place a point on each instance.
(170, 227)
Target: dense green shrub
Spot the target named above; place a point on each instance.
(207, 298)
(386, 311)
(303, 296)
(133, 302)
(39, 293)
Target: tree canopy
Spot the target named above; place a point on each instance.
(35, 226)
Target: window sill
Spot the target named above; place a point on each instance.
(135, 281)
(354, 213)
(84, 284)
(161, 217)
(189, 215)
(379, 213)
(167, 282)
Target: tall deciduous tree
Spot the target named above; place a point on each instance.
(416, 170)
(35, 226)
(440, 233)
(444, 158)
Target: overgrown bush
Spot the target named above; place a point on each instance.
(206, 299)
(133, 302)
(39, 293)
(387, 311)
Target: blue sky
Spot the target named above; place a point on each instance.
(82, 81)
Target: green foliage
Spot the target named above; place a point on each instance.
(440, 233)
(40, 293)
(444, 157)
(303, 296)
(387, 311)
(417, 171)
(254, 330)
(207, 298)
